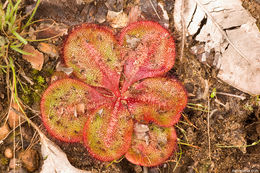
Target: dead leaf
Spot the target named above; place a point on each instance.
(226, 28)
(13, 118)
(117, 19)
(155, 11)
(49, 30)
(36, 59)
(55, 159)
(4, 130)
(49, 49)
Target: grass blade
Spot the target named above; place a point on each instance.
(20, 51)
(24, 41)
(33, 13)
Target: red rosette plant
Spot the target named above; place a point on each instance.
(120, 95)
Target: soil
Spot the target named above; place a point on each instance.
(232, 121)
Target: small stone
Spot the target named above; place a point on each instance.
(4, 130)
(8, 153)
(49, 49)
(30, 159)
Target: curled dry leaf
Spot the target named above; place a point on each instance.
(36, 58)
(226, 28)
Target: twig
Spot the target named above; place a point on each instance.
(14, 129)
(238, 146)
(186, 118)
(145, 169)
(206, 90)
(226, 106)
(183, 39)
(222, 31)
(29, 121)
(154, 9)
(209, 130)
(232, 95)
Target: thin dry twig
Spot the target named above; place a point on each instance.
(208, 126)
(231, 95)
(186, 118)
(183, 38)
(154, 9)
(15, 128)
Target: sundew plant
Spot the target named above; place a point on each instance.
(118, 101)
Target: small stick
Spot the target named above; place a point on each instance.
(209, 129)
(231, 95)
(145, 169)
(183, 39)
(154, 9)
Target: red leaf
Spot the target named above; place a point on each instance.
(107, 135)
(149, 51)
(92, 52)
(153, 150)
(158, 100)
(63, 113)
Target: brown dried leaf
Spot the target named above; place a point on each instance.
(4, 130)
(36, 59)
(13, 118)
(49, 49)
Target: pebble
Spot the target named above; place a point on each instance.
(30, 159)
(138, 169)
(8, 153)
